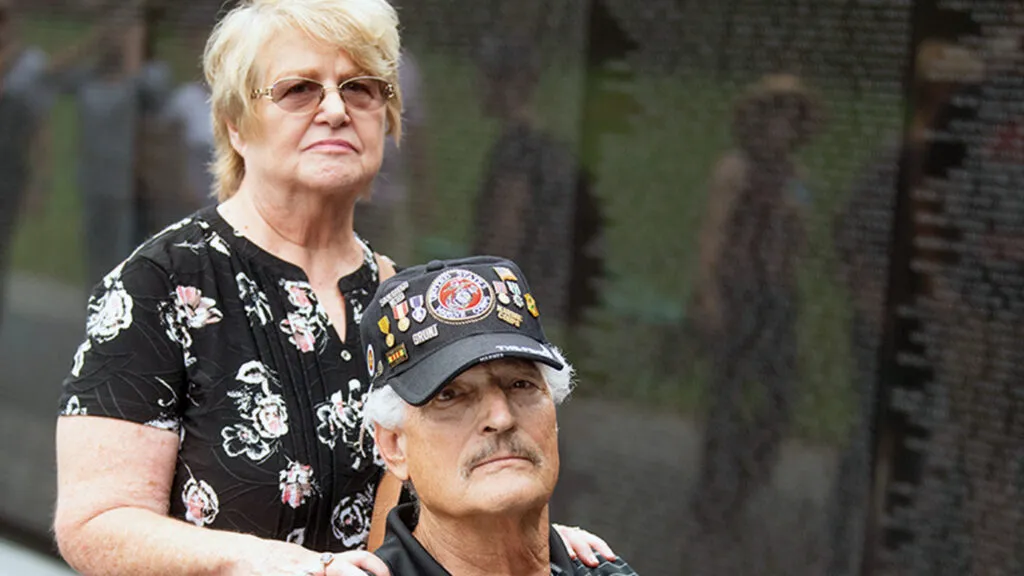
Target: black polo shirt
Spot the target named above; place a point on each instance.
(406, 557)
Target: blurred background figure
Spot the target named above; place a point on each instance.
(535, 205)
(403, 186)
(29, 84)
(19, 128)
(745, 306)
(115, 94)
(189, 109)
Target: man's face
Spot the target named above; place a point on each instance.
(487, 443)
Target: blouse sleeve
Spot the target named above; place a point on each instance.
(132, 364)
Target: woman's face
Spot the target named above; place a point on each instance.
(327, 149)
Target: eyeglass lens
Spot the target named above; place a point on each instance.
(300, 94)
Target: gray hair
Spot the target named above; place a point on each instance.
(385, 408)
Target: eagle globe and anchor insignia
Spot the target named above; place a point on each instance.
(458, 296)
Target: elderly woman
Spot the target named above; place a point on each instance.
(211, 421)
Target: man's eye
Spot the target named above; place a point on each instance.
(523, 385)
(445, 395)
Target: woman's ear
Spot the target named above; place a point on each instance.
(237, 142)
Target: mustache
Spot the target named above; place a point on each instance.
(509, 444)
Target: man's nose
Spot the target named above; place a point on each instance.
(498, 415)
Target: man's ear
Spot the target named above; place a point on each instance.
(391, 445)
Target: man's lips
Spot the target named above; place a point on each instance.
(338, 144)
(502, 459)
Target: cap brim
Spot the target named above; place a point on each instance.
(420, 383)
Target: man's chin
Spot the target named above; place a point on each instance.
(508, 492)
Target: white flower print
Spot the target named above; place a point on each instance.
(302, 331)
(257, 307)
(340, 419)
(76, 368)
(254, 372)
(270, 416)
(176, 330)
(296, 483)
(170, 424)
(217, 243)
(109, 314)
(195, 309)
(74, 408)
(264, 412)
(350, 521)
(243, 439)
(357, 311)
(369, 259)
(297, 536)
(193, 247)
(201, 503)
(308, 321)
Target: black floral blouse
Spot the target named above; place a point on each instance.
(203, 333)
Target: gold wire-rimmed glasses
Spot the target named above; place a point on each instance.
(365, 93)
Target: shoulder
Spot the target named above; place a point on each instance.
(179, 249)
(386, 266)
(731, 168)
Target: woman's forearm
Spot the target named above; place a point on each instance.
(131, 541)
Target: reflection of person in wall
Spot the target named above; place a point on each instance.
(862, 234)
(974, 309)
(535, 205)
(393, 216)
(28, 79)
(163, 171)
(746, 298)
(18, 129)
(112, 94)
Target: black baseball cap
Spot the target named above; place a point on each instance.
(429, 323)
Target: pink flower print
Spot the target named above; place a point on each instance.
(296, 484)
(196, 310)
(201, 503)
(299, 294)
(270, 416)
(302, 331)
(338, 402)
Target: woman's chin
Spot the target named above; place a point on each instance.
(333, 183)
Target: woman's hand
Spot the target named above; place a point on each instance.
(584, 545)
(274, 558)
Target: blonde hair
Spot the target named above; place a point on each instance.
(367, 30)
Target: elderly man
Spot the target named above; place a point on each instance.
(463, 411)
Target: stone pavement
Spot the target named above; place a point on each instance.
(15, 560)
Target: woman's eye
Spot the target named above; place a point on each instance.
(360, 87)
(300, 88)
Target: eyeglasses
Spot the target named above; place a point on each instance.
(365, 93)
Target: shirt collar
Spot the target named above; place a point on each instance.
(407, 557)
